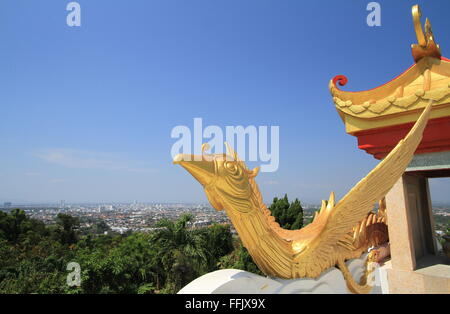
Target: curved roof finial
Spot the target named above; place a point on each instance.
(426, 46)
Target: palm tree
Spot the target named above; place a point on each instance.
(183, 253)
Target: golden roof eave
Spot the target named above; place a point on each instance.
(429, 79)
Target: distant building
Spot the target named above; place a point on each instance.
(7, 204)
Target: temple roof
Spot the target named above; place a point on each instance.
(402, 99)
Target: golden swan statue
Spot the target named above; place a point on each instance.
(338, 232)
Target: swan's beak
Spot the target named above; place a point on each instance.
(202, 169)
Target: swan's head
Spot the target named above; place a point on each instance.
(224, 177)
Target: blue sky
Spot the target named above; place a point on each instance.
(86, 113)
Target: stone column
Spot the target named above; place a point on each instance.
(400, 231)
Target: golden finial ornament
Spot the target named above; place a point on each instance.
(426, 46)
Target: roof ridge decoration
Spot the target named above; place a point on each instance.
(426, 46)
(401, 99)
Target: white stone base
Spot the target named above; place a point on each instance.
(233, 281)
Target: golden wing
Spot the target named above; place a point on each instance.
(323, 251)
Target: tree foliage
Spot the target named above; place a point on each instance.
(34, 256)
(239, 258)
(288, 215)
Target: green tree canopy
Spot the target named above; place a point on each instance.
(34, 256)
(288, 215)
(68, 225)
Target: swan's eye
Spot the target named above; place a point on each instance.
(231, 166)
